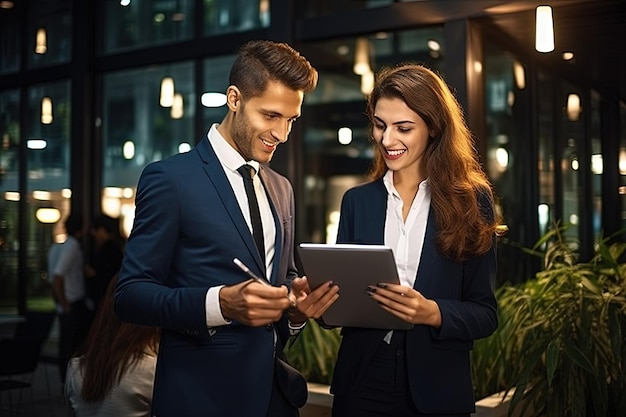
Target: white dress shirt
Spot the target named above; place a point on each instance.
(231, 160)
(406, 238)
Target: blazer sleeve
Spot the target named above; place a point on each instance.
(142, 294)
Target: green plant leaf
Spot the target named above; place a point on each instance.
(578, 357)
(560, 343)
(552, 359)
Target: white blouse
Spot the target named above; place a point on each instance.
(131, 398)
(406, 239)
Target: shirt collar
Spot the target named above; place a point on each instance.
(226, 154)
(391, 189)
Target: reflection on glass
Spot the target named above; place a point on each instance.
(10, 40)
(622, 162)
(137, 129)
(507, 150)
(597, 165)
(546, 155)
(226, 16)
(314, 8)
(137, 24)
(47, 184)
(49, 32)
(570, 164)
(9, 197)
(214, 86)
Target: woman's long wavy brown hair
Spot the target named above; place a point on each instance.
(112, 348)
(455, 175)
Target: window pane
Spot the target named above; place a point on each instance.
(49, 32)
(216, 72)
(597, 165)
(226, 16)
(139, 128)
(9, 167)
(9, 40)
(573, 134)
(546, 158)
(622, 162)
(140, 23)
(315, 8)
(507, 104)
(47, 185)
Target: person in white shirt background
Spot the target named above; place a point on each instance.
(66, 276)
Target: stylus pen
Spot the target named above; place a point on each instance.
(252, 275)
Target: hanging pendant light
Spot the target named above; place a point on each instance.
(46, 110)
(544, 29)
(41, 42)
(361, 56)
(177, 110)
(167, 92)
(573, 108)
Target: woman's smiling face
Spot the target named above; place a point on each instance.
(401, 134)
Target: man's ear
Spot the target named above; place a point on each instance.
(233, 98)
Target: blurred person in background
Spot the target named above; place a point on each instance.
(112, 373)
(66, 275)
(106, 258)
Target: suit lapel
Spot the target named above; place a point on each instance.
(216, 175)
(429, 252)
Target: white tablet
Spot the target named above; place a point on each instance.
(353, 268)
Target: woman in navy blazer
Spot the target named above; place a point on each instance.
(431, 202)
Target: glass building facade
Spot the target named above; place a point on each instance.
(91, 92)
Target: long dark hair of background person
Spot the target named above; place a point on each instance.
(111, 349)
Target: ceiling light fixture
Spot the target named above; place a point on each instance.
(41, 42)
(519, 74)
(361, 56)
(48, 215)
(167, 92)
(177, 110)
(46, 110)
(573, 107)
(213, 99)
(544, 29)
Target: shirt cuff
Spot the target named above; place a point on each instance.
(294, 330)
(214, 317)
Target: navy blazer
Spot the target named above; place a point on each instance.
(438, 360)
(188, 228)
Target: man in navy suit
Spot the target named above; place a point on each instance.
(222, 331)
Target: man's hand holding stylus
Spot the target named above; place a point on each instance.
(253, 303)
(256, 304)
(310, 304)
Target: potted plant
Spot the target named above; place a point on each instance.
(560, 344)
(314, 352)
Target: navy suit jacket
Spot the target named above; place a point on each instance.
(188, 228)
(438, 360)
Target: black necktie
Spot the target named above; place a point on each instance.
(246, 172)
